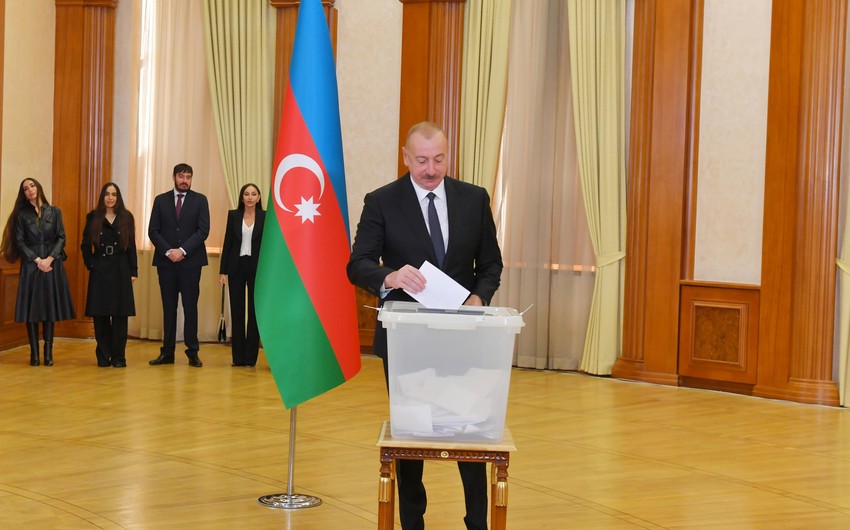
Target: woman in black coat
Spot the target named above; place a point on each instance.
(238, 270)
(109, 252)
(35, 233)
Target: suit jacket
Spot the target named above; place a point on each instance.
(392, 233)
(189, 232)
(233, 241)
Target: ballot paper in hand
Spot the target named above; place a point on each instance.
(441, 291)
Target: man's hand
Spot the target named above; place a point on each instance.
(175, 255)
(474, 299)
(408, 278)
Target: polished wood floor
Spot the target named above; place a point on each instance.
(174, 447)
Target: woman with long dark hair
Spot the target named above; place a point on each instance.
(109, 252)
(238, 270)
(35, 233)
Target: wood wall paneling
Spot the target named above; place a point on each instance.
(692, 156)
(718, 334)
(656, 243)
(287, 20)
(11, 333)
(801, 201)
(630, 363)
(82, 130)
(366, 319)
(413, 104)
(431, 64)
(796, 304)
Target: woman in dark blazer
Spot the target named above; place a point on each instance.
(238, 270)
(109, 253)
(36, 234)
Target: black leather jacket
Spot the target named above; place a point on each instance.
(39, 238)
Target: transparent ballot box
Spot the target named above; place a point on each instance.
(449, 371)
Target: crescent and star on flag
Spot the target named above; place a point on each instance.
(307, 209)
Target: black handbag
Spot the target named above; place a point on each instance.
(222, 326)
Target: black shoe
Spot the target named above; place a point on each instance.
(162, 359)
(48, 353)
(194, 360)
(103, 363)
(32, 334)
(119, 363)
(47, 331)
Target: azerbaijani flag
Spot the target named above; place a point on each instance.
(306, 308)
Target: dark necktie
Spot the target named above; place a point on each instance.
(436, 231)
(179, 204)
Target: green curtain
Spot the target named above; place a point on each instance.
(597, 54)
(240, 59)
(484, 84)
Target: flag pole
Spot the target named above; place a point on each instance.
(289, 500)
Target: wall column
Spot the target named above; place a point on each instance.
(802, 173)
(82, 129)
(431, 64)
(656, 244)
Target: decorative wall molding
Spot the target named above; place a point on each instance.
(718, 333)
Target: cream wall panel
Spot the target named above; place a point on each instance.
(369, 77)
(27, 97)
(732, 136)
(125, 90)
(368, 69)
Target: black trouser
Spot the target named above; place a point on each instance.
(174, 281)
(245, 346)
(111, 336)
(412, 499)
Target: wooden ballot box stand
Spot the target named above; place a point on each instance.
(496, 453)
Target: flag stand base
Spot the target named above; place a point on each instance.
(286, 501)
(289, 500)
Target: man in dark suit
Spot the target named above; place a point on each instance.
(179, 225)
(397, 232)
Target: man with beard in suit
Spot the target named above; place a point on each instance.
(179, 225)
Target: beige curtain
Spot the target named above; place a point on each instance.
(597, 52)
(539, 212)
(844, 320)
(240, 61)
(842, 317)
(174, 124)
(484, 83)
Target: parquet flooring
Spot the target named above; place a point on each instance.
(174, 447)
